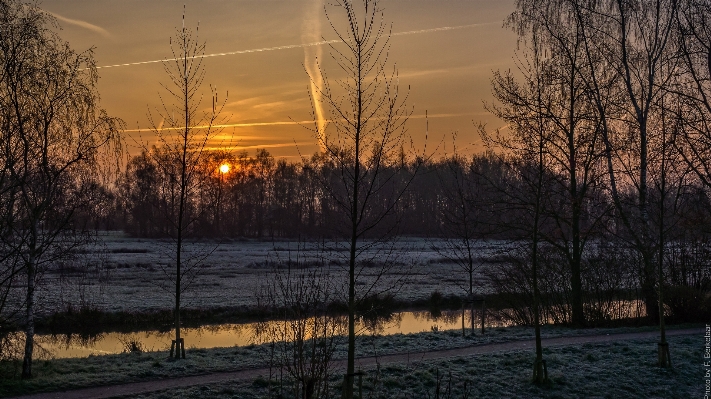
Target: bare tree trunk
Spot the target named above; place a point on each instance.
(350, 368)
(648, 284)
(578, 315)
(540, 373)
(663, 355)
(178, 342)
(355, 204)
(471, 285)
(30, 315)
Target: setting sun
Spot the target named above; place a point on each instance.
(224, 168)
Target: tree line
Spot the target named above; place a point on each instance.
(262, 197)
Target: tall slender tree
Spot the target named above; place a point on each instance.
(630, 52)
(528, 158)
(366, 130)
(183, 131)
(629, 45)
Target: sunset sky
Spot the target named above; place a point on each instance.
(445, 51)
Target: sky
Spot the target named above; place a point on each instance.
(444, 50)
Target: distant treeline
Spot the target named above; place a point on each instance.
(264, 197)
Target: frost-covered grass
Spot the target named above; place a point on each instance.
(624, 369)
(133, 276)
(62, 374)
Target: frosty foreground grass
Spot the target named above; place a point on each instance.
(64, 374)
(624, 369)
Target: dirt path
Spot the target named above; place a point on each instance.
(137, 388)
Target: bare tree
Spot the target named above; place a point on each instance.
(629, 49)
(366, 129)
(463, 214)
(526, 151)
(218, 168)
(670, 178)
(300, 331)
(628, 44)
(56, 142)
(184, 132)
(138, 190)
(576, 146)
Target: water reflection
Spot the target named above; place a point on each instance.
(228, 335)
(73, 345)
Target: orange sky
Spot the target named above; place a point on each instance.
(448, 70)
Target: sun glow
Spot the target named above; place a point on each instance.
(224, 168)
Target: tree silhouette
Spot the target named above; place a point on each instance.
(56, 143)
(183, 132)
(363, 138)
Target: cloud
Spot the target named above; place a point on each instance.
(278, 123)
(256, 101)
(303, 123)
(466, 69)
(276, 145)
(273, 104)
(82, 24)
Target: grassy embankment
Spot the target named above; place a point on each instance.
(616, 370)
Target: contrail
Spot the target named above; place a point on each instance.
(412, 32)
(302, 45)
(81, 24)
(277, 145)
(311, 30)
(256, 50)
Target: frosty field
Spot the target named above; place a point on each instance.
(134, 274)
(593, 371)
